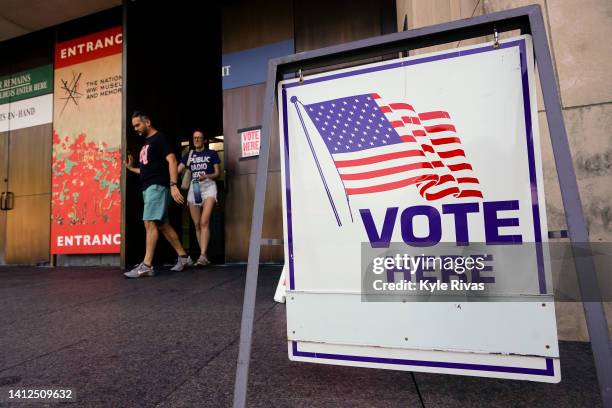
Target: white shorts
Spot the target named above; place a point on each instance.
(208, 188)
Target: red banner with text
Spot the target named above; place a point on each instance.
(86, 201)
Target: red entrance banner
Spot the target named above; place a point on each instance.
(89, 47)
(86, 199)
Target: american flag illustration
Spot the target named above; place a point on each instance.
(378, 146)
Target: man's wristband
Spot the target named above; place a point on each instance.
(172, 183)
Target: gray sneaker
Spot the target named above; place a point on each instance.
(202, 261)
(181, 263)
(140, 271)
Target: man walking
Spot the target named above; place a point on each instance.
(158, 170)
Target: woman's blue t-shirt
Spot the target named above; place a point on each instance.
(201, 162)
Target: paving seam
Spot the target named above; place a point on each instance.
(417, 389)
(123, 324)
(207, 362)
(116, 294)
(42, 355)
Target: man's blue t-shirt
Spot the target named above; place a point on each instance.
(201, 162)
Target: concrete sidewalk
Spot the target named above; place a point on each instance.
(172, 341)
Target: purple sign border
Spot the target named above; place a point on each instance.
(549, 370)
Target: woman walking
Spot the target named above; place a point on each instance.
(202, 195)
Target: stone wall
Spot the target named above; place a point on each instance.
(579, 33)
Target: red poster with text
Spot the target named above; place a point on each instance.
(86, 198)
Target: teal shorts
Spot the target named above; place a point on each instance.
(156, 200)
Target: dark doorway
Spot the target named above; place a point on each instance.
(174, 74)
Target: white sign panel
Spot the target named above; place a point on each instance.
(26, 113)
(414, 216)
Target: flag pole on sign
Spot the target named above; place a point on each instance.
(294, 100)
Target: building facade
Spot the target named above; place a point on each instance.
(175, 75)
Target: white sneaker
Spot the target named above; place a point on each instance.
(140, 271)
(181, 263)
(202, 261)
